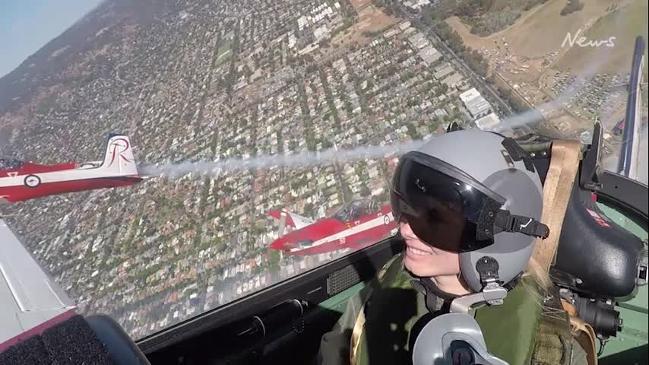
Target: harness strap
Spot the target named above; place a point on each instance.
(390, 269)
(585, 335)
(556, 194)
(559, 181)
(582, 332)
(356, 335)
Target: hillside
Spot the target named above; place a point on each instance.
(50, 66)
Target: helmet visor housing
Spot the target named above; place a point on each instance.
(445, 207)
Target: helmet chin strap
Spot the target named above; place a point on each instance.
(492, 292)
(431, 286)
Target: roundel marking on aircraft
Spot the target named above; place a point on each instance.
(32, 181)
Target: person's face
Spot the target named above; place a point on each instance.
(426, 261)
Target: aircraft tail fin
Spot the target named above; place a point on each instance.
(290, 219)
(119, 157)
(299, 221)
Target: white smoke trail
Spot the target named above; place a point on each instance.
(297, 160)
(334, 155)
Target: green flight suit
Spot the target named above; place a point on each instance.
(395, 312)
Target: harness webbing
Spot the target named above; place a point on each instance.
(556, 194)
(557, 189)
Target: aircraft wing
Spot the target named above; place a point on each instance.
(30, 301)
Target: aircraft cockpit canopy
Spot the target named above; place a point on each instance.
(355, 209)
(10, 164)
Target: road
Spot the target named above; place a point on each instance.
(457, 60)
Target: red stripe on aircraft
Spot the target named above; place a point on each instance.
(20, 193)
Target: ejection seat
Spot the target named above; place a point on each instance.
(596, 257)
(597, 261)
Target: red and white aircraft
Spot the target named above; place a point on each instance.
(26, 180)
(358, 224)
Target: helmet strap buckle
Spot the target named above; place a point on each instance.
(508, 222)
(492, 292)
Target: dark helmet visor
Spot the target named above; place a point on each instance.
(445, 207)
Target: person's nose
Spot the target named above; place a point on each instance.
(405, 230)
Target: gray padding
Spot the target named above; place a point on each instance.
(436, 340)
